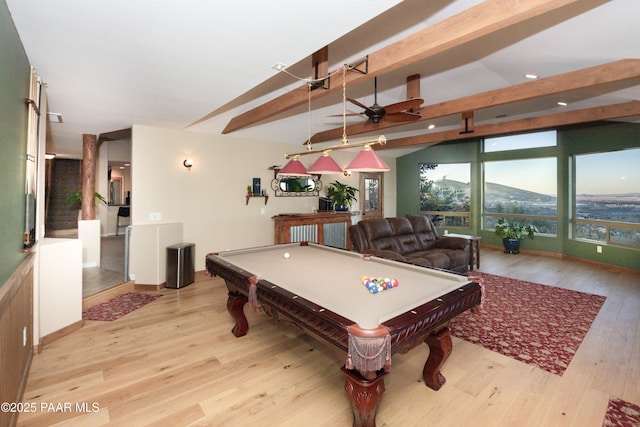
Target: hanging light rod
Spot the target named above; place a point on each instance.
(381, 140)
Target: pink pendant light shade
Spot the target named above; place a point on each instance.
(293, 168)
(325, 165)
(367, 161)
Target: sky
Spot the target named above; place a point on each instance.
(622, 169)
(616, 172)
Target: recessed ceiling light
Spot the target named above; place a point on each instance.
(431, 126)
(531, 76)
(562, 103)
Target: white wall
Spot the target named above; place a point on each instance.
(210, 199)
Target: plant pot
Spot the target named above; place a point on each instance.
(511, 246)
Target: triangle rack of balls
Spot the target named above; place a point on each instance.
(379, 284)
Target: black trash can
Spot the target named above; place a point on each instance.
(180, 265)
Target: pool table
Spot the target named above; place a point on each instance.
(320, 289)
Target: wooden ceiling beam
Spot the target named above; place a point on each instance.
(320, 67)
(617, 75)
(550, 121)
(483, 19)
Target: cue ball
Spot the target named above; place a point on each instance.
(286, 255)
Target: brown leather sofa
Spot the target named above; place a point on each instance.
(412, 239)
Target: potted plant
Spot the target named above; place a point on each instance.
(341, 195)
(512, 233)
(76, 198)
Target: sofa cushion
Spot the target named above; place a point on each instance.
(457, 257)
(400, 226)
(424, 231)
(405, 237)
(376, 228)
(434, 258)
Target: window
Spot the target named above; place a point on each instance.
(521, 189)
(519, 142)
(607, 197)
(445, 193)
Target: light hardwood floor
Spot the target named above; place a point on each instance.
(175, 362)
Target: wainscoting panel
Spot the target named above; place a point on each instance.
(16, 336)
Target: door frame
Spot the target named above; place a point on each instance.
(365, 208)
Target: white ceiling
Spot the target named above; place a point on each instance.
(109, 64)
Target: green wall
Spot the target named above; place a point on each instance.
(588, 139)
(14, 88)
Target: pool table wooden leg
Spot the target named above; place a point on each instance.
(365, 396)
(440, 346)
(235, 307)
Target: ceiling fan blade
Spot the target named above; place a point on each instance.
(403, 116)
(403, 105)
(358, 103)
(348, 115)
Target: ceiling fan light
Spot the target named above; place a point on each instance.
(367, 161)
(293, 168)
(325, 165)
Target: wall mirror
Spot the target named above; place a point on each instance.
(287, 186)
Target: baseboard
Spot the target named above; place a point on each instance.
(47, 339)
(149, 288)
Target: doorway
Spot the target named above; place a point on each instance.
(371, 195)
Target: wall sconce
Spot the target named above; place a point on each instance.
(188, 163)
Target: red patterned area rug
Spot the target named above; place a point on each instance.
(621, 414)
(536, 324)
(117, 307)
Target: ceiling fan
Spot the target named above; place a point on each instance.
(397, 112)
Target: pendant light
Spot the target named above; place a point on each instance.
(293, 168)
(325, 165)
(367, 161)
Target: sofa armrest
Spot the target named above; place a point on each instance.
(452, 242)
(382, 253)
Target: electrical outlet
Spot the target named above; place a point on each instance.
(599, 249)
(155, 216)
(263, 211)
